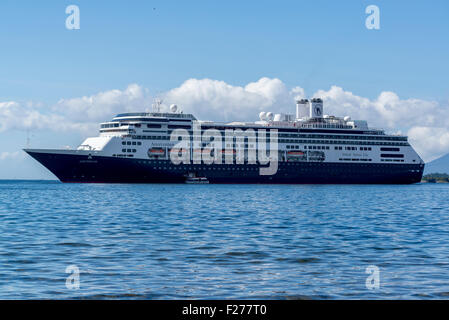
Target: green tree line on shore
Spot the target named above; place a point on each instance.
(436, 178)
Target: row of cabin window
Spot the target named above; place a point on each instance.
(170, 126)
(204, 144)
(324, 136)
(355, 148)
(167, 137)
(138, 143)
(327, 148)
(348, 159)
(346, 142)
(296, 141)
(129, 150)
(311, 136)
(110, 125)
(316, 147)
(235, 145)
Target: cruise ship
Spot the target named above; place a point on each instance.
(308, 147)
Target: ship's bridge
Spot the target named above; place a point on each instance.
(148, 116)
(127, 123)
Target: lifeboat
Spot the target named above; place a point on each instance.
(156, 152)
(295, 153)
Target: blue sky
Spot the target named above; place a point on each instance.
(161, 44)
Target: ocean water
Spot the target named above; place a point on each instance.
(223, 241)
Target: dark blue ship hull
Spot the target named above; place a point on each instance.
(97, 169)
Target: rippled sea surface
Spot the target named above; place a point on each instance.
(223, 241)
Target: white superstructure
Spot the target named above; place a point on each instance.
(334, 139)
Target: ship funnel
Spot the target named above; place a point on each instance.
(302, 108)
(316, 108)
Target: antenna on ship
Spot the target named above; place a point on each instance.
(157, 105)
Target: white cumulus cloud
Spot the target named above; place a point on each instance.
(24, 116)
(103, 105)
(217, 100)
(387, 110)
(425, 121)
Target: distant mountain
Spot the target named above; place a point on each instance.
(440, 165)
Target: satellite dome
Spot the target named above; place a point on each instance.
(173, 108)
(263, 116)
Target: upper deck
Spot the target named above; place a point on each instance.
(311, 120)
(175, 116)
